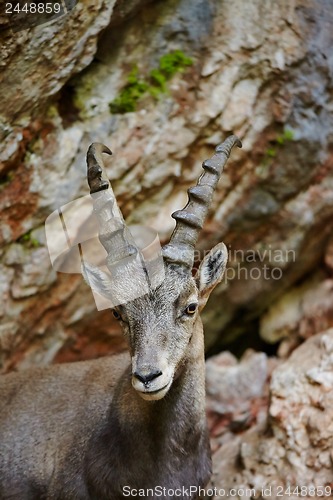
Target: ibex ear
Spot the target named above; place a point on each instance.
(210, 272)
(98, 281)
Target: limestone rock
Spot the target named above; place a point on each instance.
(301, 312)
(35, 63)
(260, 69)
(237, 393)
(292, 446)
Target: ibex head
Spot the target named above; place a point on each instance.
(162, 327)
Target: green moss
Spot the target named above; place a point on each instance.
(172, 63)
(287, 136)
(158, 83)
(52, 112)
(82, 90)
(130, 94)
(155, 84)
(28, 240)
(271, 152)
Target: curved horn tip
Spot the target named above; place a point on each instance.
(98, 147)
(95, 164)
(228, 144)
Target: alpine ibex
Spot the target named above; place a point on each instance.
(94, 430)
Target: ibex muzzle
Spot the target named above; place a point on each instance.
(90, 429)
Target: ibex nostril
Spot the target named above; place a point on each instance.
(147, 378)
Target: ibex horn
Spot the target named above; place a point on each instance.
(113, 233)
(190, 220)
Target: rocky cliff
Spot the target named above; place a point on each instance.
(271, 425)
(107, 72)
(162, 83)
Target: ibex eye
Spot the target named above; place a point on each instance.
(116, 314)
(191, 308)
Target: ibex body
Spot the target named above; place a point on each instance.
(87, 430)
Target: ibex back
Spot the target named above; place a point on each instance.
(94, 430)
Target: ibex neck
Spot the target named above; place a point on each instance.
(162, 442)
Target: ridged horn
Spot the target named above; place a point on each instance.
(190, 220)
(113, 233)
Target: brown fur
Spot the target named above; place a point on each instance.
(82, 431)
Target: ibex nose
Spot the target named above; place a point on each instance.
(145, 379)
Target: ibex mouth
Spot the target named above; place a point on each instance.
(154, 395)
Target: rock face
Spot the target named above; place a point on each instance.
(237, 394)
(301, 312)
(36, 63)
(261, 70)
(288, 450)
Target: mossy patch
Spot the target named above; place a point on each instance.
(155, 83)
(130, 94)
(172, 63)
(81, 90)
(28, 240)
(286, 136)
(271, 152)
